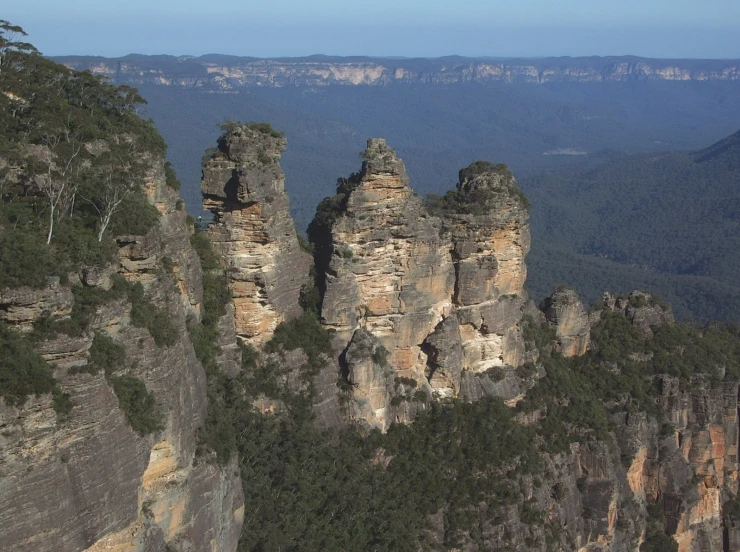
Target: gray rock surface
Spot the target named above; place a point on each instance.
(565, 312)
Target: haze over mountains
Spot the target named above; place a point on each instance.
(554, 121)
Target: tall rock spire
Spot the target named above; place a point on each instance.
(490, 236)
(244, 187)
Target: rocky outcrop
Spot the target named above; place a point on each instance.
(565, 312)
(22, 306)
(444, 353)
(244, 187)
(88, 481)
(490, 238)
(441, 288)
(642, 309)
(233, 73)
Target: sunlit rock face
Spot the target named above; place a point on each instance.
(565, 311)
(244, 187)
(442, 291)
(490, 239)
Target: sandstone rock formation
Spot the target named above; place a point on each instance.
(244, 187)
(565, 311)
(490, 238)
(442, 291)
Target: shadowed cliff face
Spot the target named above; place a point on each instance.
(244, 187)
(89, 481)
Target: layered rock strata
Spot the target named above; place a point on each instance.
(490, 239)
(89, 481)
(244, 187)
(565, 312)
(235, 73)
(442, 294)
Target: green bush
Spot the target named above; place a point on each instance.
(216, 295)
(481, 167)
(659, 543)
(136, 216)
(145, 314)
(209, 260)
(25, 259)
(61, 403)
(137, 403)
(171, 177)
(264, 128)
(22, 370)
(105, 354)
(306, 333)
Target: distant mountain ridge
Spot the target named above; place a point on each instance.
(223, 72)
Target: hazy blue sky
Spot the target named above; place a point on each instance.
(655, 28)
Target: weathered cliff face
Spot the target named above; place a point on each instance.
(89, 481)
(390, 273)
(490, 242)
(565, 311)
(232, 74)
(682, 473)
(244, 187)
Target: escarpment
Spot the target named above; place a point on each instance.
(244, 187)
(117, 467)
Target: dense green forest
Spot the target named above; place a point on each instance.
(668, 222)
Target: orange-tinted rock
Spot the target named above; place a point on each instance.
(244, 187)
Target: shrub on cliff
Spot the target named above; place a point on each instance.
(659, 543)
(25, 260)
(305, 333)
(22, 370)
(145, 314)
(137, 403)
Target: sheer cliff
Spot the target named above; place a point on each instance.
(244, 187)
(88, 480)
(103, 393)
